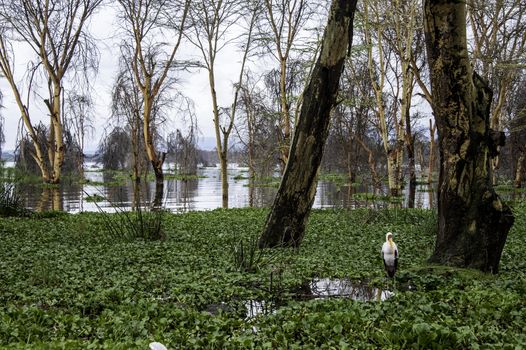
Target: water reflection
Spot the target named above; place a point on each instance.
(203, 193)
(322, 288)
(326, 287)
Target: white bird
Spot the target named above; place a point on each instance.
(390, 255)
(157, 346)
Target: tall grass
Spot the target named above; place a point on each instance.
(10, 202)
(135, 224)
(248, 257)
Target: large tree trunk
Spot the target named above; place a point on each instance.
(290, 211)
(473, 222)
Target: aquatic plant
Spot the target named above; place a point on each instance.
(10, 202)
(67, 284)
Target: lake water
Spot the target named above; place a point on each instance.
(197, 194)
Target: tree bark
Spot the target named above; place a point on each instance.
(519, 172)
(286, 222)
(410, 146)
(473, 222)
(57, 153)
(432, 152)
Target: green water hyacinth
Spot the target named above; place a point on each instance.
(65, 283)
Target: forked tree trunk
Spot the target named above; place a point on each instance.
(286, 222)
(473, 222)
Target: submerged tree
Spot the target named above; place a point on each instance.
(152, 59)
(211, 22)
(286, 222)
(473, 222)
(284, 20)
(79, 120)
(54, 30)
(114, 149)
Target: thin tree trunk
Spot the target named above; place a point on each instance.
(473, 222)
(372, 164)
(57, 152)
(285, 115)
(410, 145)
(224, 179)
(159, 192)
(519, 172)
(292, 205)
(432, 152)
(156, 161)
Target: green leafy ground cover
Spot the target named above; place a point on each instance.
(65, 284)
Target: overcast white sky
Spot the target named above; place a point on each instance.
(106, 31)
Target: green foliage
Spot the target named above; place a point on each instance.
(376, 197)
(10, 202)
(247, 257)
(135, 224)
(240, 177)
(66, 283)
(94, 198)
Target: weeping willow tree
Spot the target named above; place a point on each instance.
(54, 30)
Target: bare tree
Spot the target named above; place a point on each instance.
(517, 128)
(284, 20)
(79, 120)
(182, 144)
(54, 30)
(146, 24)
(211, 22)
(351, 129)
(375, 24)
(390, 33)
(498, 51)
(256, 130)
(126, 109)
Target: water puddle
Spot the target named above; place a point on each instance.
(326, 287)
(255, 308)
(322, 288)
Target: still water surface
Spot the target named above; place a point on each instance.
(197, 194)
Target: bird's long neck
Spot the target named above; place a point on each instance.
(391, 243)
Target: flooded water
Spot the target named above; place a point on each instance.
(323, 288)
(203, 193)
(326, 287)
